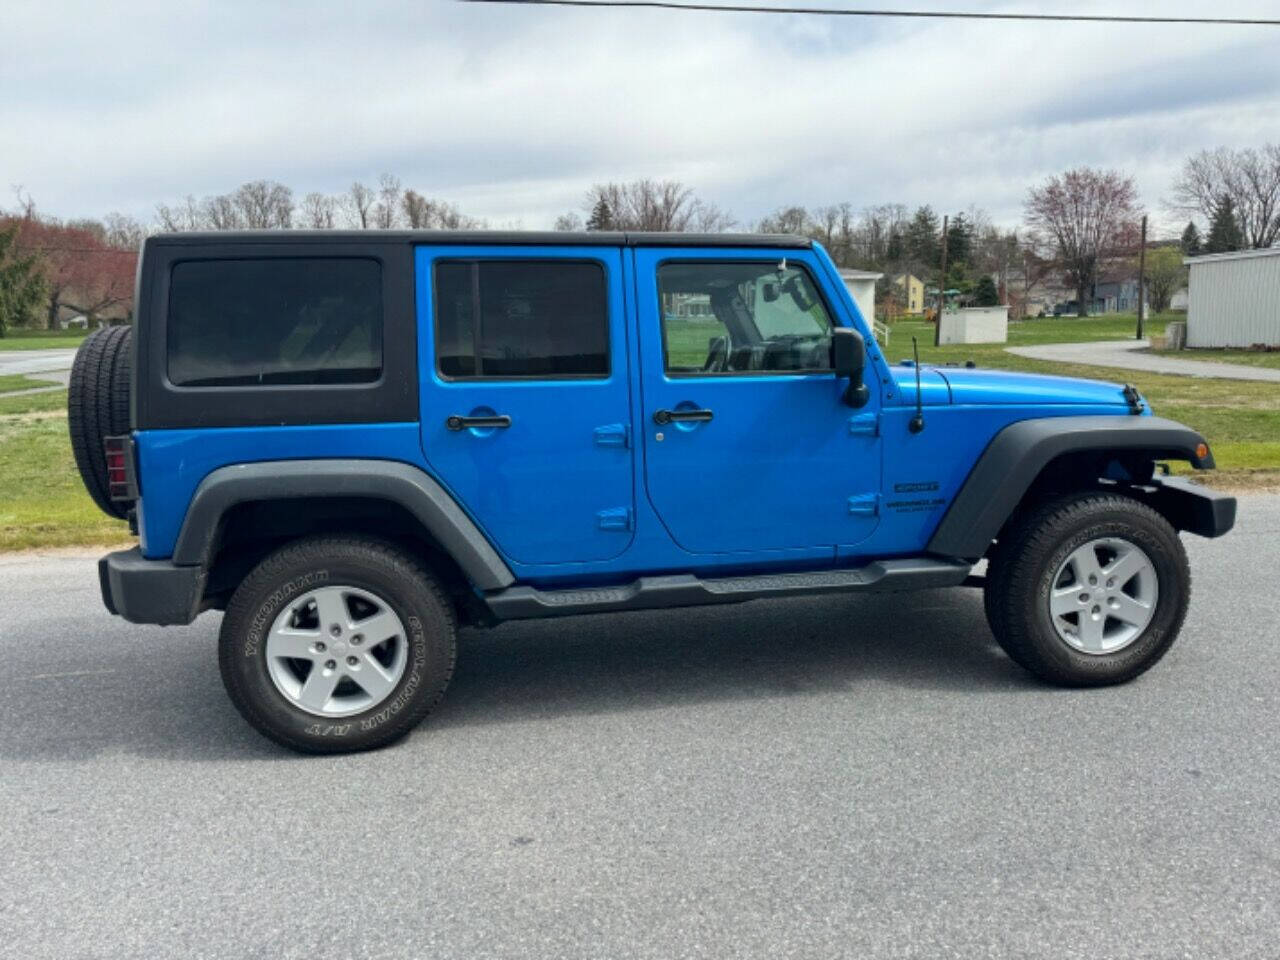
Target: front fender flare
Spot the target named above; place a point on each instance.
(1019, 452)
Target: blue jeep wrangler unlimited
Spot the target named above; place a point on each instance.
(354, 443)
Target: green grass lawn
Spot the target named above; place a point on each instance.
(42, 501)
(16, 381)
(1240, 418)
(1251, 358)
(40, 339)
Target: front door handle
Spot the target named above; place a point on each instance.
(663, 417)
(456, 422)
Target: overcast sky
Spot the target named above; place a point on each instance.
(512, 113)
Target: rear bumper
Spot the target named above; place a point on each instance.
(150, 591)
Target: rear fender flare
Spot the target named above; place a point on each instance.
(400, 483)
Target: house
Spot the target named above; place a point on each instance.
(1115, 296)
(912, 293)
(1234, 299)
(862, 287)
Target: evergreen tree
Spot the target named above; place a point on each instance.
(896, 248)
(922, 244)
(21, 284)
(986, 294)
(601, 216)
(1225, 234)
(959, 240)
(1191, 245)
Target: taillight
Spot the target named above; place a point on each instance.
(121, 482)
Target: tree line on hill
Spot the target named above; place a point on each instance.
(1079, 226)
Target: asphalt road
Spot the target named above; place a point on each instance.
(855, 777)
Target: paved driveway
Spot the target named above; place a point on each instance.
(831, 777)
(52, 365)
(1130, 355)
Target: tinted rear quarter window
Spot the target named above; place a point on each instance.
(513, 319)
(275, 321)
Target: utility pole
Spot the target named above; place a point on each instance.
(942, 285)
(1142, 277)
(1026, 287)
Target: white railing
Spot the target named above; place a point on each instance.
(881, 331)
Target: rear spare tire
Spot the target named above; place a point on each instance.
(98, 407)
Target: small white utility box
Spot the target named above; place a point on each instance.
(975, 325)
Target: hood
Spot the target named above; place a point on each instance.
(933, 388)
(971, 386)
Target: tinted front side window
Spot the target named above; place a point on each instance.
(521, 318)
(275, 321)
(742, 317)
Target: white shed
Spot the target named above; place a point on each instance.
(975, 325)
(1234, 299)
(862, 287)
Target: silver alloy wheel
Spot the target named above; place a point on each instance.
(1104, 596)
(337, 651)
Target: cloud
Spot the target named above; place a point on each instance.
(512, 113)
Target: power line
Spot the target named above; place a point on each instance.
(48, 249)
(915, 14)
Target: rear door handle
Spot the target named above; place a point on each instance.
(663, 417)
(456, 422)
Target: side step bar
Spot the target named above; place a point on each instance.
(686, 590)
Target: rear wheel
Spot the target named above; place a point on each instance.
(1090, 589)
(333, 645)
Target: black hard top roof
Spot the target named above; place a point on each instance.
(495, 237)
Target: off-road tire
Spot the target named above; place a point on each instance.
(1029, 557)
(378, 567)
(98, 407)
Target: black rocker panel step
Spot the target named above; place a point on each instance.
(687, 590)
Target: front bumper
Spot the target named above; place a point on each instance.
(150, 591)
(1194, 508)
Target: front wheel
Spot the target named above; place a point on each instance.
(1091, 589)
(335, 644)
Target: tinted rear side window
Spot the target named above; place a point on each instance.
(521, 318)
(275, 321)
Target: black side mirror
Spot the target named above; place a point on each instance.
(849, 360)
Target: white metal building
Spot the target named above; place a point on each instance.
(862, 286)
(1234, 299)
(975, 325)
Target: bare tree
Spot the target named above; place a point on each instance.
(1088, 215)
(180, 219)
(878, 237)
(446, 216)
(123, 232)
(825, 222)
(791, 220)
(264, 205)
(26, 203)
(318, 211)
(359, 203)
(709, 218)
(1166, 275)
(387, 209)
(569, 222)
(995, 253)
(1249, 177)
(645, 205)
(221, 213)
(417, 210)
